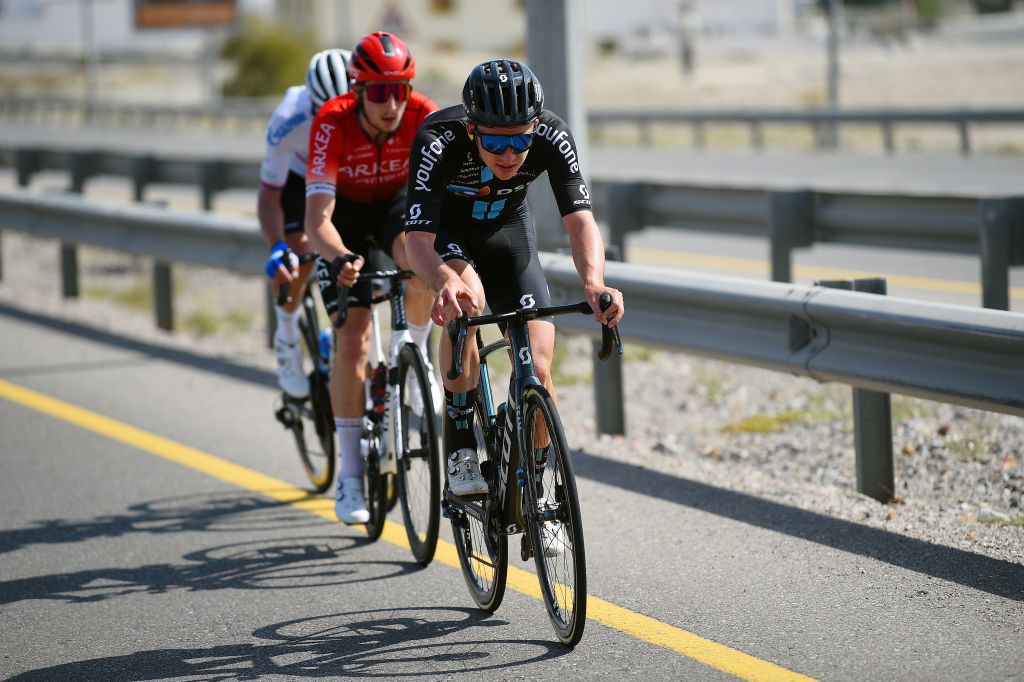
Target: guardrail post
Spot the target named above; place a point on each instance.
(609, 397)
(163, 295)
(1, 256)
(645, 132)
(211, 181)
(756, 135)
(142, 174)
(26, 163)
(81, 166)
(1002, 245)
(790, 224)
(872, 419)
(965, 137)
(625, 214)
(698, 134)
(69, 270)
(887, 137)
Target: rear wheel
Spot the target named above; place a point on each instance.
(419, 469)
(483, 556)
(311, 422)
(553, 518)
(482, 549)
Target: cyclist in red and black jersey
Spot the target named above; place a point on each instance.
(355, 199)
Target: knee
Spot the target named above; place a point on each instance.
(351, 349)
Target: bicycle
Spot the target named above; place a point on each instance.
(547, 512)
(311, 419)
(400, 405)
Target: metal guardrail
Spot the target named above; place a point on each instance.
(254, 112)
(941, 352)
(991, 227)
(241, 114)
(823, 122)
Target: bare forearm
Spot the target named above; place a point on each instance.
(587, 247)
(320, 229)
(424, 261)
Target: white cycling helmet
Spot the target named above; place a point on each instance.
(327, 76)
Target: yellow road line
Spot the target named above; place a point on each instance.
(806, 272)
(636, 625)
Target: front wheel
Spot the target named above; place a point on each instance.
(419, 475)
(552, 512)
(376, 491)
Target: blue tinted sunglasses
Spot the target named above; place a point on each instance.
(497, 144)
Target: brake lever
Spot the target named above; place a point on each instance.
(609, 335)
(343, 289)
(458, 330)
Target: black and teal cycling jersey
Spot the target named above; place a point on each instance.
(450, 188)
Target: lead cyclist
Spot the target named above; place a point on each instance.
(281, 202)
(470, 235)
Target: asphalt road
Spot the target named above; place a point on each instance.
(154, 526)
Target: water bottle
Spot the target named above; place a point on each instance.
(326, 346)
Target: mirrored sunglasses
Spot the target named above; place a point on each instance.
(378, 93)
(497, 144)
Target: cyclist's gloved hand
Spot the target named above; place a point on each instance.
(282, 260)
(611, 315)
(345, 269)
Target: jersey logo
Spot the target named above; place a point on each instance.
(585, 192)
(455, 248)
(483, 210)
(527, 301)
(469, 191)
(275, 136)
(414, 212)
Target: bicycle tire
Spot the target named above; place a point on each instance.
(312, 426)
(376, 497)
(553, 520)
(419, 470)
(483, 556)
(311, 420)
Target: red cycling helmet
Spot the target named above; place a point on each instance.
(382, 56)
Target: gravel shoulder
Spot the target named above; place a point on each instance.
(789, 440)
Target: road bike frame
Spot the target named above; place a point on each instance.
(506, 455)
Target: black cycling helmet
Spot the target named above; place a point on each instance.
(501, 94)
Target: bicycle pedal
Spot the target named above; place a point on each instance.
(286, 417)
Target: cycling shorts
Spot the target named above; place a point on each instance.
(293, 202)
(505, 258)
(363, 227)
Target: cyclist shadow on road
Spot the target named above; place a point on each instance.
(1001, 578)
(295, 556)
(145, 349)
(390, 643)
(227, 511)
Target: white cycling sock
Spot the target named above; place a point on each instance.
(287, 325)
(420, 335)
(349, 433)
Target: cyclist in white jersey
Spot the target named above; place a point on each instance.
(281, 201)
